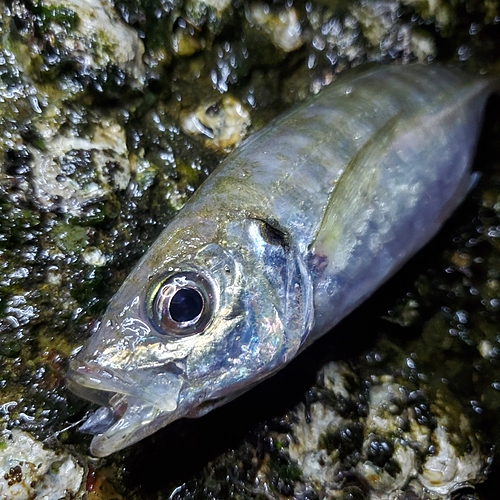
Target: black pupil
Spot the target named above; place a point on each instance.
(185, 305)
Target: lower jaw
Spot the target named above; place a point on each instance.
(105, 416)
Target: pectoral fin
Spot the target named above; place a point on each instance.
(355, 190)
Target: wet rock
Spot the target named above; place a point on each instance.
(406, 439)
(222, 123)
(281, 26)
(83, 36)
(383, 26)
(74, 171)
(27, 470)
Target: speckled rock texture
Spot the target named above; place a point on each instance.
(111, 115)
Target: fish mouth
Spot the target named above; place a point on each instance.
(115, 427)
(127, 411)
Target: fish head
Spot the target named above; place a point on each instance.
(211, 310)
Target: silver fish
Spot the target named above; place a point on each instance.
(288, 235)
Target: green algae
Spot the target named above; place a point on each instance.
(45, 15)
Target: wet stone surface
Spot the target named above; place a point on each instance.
(111, 115)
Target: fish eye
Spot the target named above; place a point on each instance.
(186, 305)
(183, 304)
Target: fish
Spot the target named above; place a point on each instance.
(288, 235)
